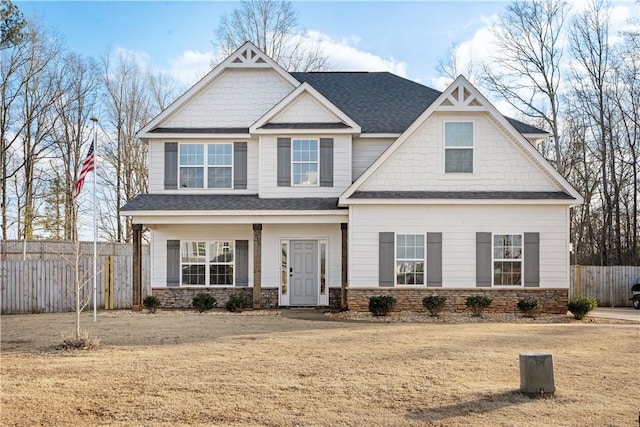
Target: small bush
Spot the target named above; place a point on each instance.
(529, 307)
(434, 303)
(203, 302)
(580, 306)
(381, 305)
(151, 303)
(478, 303)
(236, 303)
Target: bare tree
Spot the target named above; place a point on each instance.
(272, 25)
(451, 65)
(79, 81)
(526, 68)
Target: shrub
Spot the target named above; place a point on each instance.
(236, 303)
(381, 305)
(478, 303)
(203, 302)
(580, 306)
(434, 303)
(529, 306)
(151, 303)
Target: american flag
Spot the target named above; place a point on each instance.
(87, 166)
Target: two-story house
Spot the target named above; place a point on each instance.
(324, 188)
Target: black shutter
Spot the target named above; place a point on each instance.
(242, 263)
(434, 260)
(240, 165)
(326, 162)
(531, 260)
(483, 260)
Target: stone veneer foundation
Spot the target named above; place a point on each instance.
(554, 301)
(182, 297)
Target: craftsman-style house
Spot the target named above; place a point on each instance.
(325, 188)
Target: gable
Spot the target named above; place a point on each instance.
(498, 163)
(305, 109)
(236, 98)
(425, 139)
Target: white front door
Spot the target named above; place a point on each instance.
(303, 279)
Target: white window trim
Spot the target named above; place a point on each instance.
(445, 148)
(317, 140)
(395, 260)
(205, 166)
(208, 264)
(521, 259)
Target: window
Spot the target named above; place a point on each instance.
(206, 264)
(458, 147)
(507, 259)
(410, 259)
(304, 162)
(218, 165)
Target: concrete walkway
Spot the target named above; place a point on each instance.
(622, 313)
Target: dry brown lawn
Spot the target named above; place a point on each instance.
(184, 368)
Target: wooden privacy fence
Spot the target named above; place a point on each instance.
(610, 285)
(47, 285)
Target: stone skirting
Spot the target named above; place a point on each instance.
(182, 297)
(554, 301)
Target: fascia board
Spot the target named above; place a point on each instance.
(351, 202)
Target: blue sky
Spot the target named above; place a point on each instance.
(408, 36)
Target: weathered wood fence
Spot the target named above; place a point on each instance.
(611, 286)
(47, 285)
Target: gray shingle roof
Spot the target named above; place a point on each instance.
(380, 102)
(214, 202)
(467, 195)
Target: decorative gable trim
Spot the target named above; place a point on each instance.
(247, 56)
(462, 96)
(262, 125)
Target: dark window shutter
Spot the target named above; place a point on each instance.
(326, 162)
(173, 262)
(532, 260)
(170, 165)
(434, 260)
(386, 261)
(240, 165)
(284, 162)
(483, 260)
(242, 263)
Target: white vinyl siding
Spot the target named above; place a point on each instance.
(459, 225)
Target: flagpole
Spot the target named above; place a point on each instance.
(95, 218)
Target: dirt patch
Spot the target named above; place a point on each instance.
(262, 369)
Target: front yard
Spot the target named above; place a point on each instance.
(263, 369)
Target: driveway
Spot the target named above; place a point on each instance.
(622, 313)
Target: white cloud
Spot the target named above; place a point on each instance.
(189, 66)
(344, 55)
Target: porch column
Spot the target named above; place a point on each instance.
(257, 265)
(345, 264)
(136, 302)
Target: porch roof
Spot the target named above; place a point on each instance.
(225, 202)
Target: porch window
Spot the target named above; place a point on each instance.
(217, 165)
(458, 147)
(208, 263)
(304, 162)
(410, 259)
(507, 259)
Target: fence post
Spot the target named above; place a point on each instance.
(578, 280)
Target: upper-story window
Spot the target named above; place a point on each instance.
(218, 164)
(304, 162)
(458, 147)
